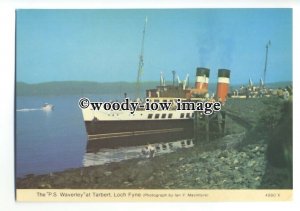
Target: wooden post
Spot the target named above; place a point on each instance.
(220, 123)
(207, 128)
(196, 127)
(199, 127)
(224, 122)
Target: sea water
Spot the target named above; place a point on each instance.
(56, 140)
(48, 141)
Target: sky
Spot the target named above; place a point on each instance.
(104, 45)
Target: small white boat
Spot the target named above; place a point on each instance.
(47, 107)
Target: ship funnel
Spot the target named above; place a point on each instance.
(223, 84)
(202, 78)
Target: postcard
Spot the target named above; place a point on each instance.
(154, 104)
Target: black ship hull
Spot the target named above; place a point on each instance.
(113, 134)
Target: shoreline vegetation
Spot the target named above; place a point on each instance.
(57, 88)
(255, 153)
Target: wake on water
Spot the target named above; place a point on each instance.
(30, 109)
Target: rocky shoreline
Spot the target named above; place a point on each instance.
(196, 168)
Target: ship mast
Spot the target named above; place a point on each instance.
(141, 63)
(266, 60)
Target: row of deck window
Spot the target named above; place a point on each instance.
(164, 116)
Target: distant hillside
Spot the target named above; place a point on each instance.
(78, 87)
(87, 87)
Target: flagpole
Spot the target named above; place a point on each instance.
(266, 61)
